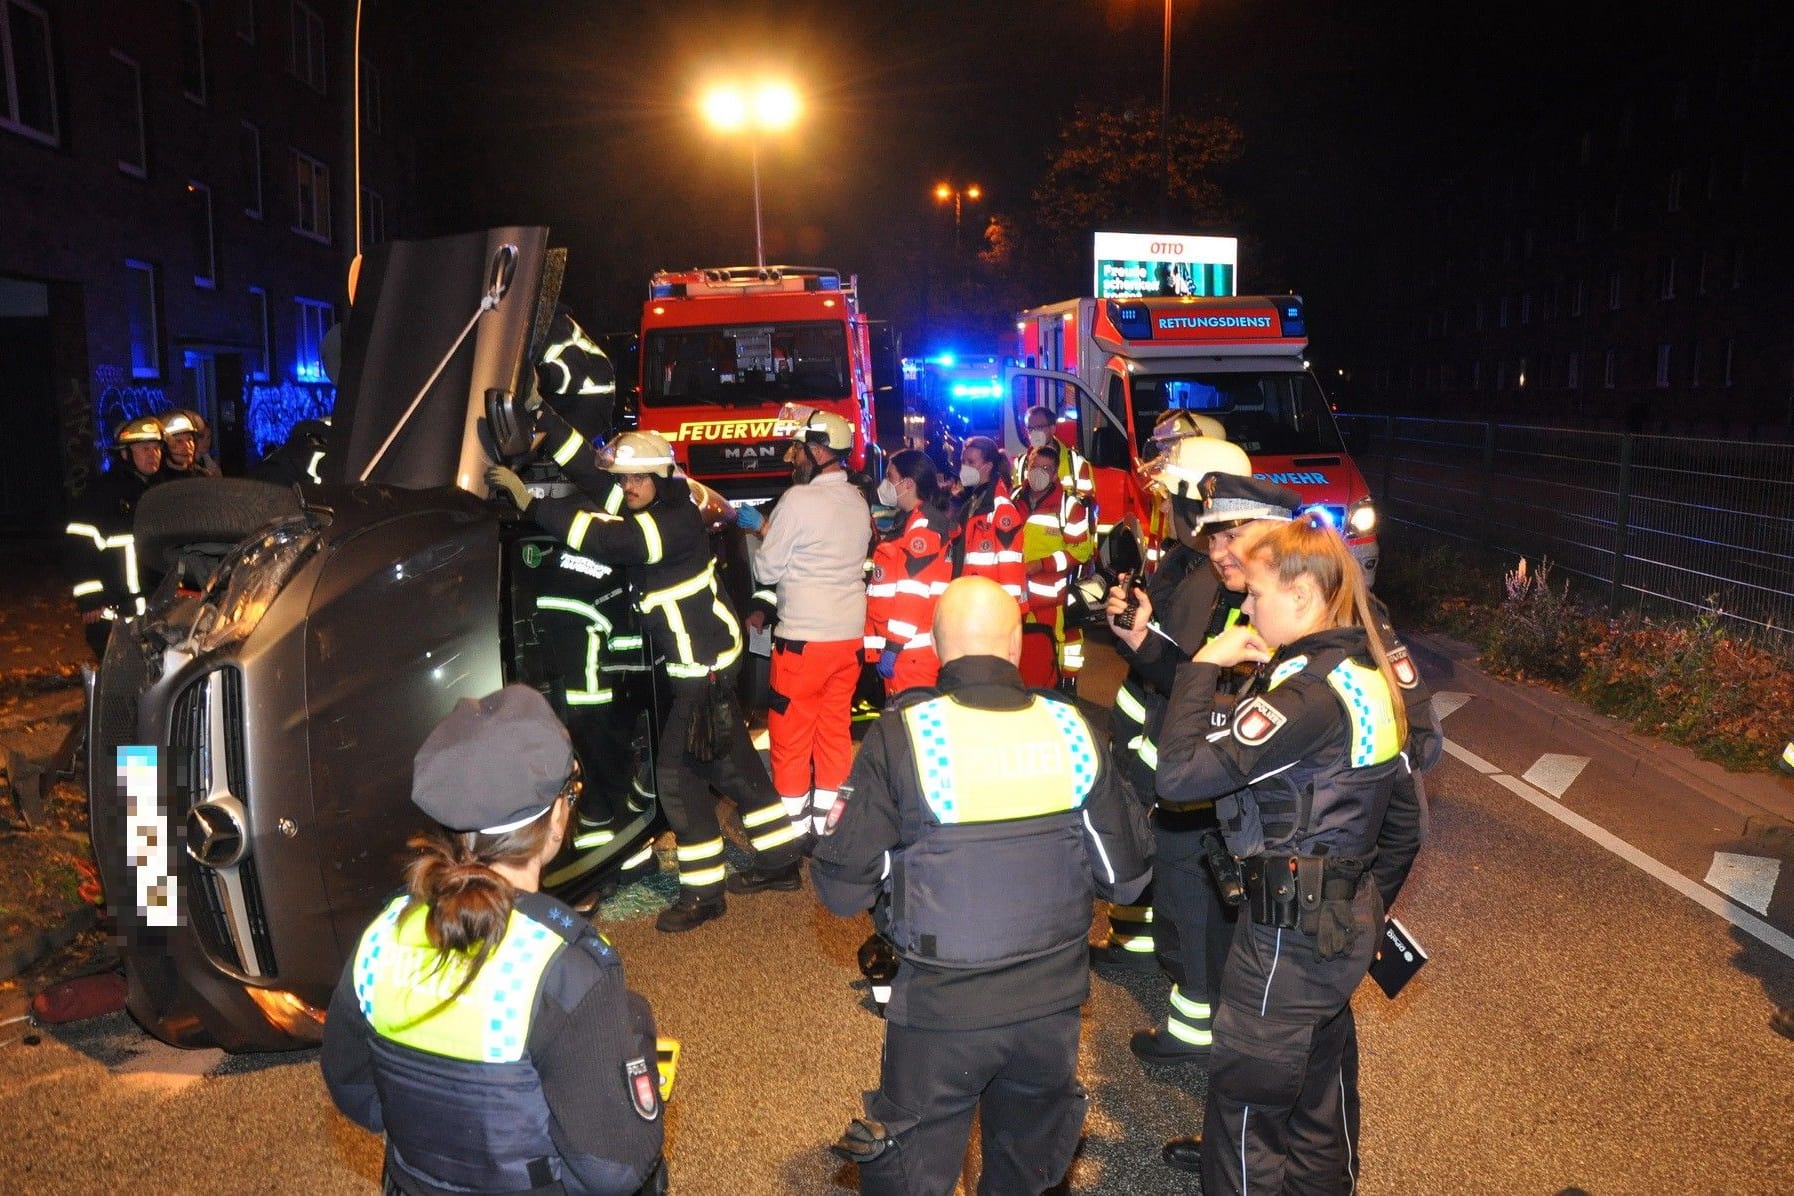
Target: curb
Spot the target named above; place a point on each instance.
(1765, 801)
(20, 954)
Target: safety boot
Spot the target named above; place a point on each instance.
(1155, 1046)
(691, 911)
(1108, 957)
(1184, 1153)
(786, 879)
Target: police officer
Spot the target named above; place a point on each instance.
(1301, 777)
(978, 819)
(643, 518)
(100, 555)
(813, 551)
(482, 1025)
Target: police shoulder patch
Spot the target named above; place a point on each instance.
(1257, 721)
(644, 1091)
(1406, 675)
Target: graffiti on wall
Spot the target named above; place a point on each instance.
(273, 410)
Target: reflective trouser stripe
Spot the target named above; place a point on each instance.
(1189, 1021)
(778, 836)
(88, 587)
(597, 838)
(705, 877)
(797, 806)
(568, 449)
(1147, 750)
(1130, 704)
(1130, 928)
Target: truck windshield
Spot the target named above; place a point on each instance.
(1265, 414)
(745, 365)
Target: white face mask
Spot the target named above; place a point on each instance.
(1039, 479)
(887, 493)
(1037, 437)
(969, 475)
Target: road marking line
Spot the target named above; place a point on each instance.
(1752, 925)
(1446, 703)
(1747, 879)
(1554, 773)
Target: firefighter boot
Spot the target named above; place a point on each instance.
(1184, 1153)
(691, 911)
(786, 879)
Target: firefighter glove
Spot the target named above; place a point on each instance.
(887, 663)
(749, 519)
(502, 479)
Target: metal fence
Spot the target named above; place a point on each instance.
(1663, 524)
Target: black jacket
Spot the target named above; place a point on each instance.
(851, 862)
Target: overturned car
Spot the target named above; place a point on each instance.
(251, 735)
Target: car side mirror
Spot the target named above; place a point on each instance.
(1108, 448)
(508, 424)
(500, 275)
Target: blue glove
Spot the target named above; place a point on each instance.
(887, 663)
(749, 519)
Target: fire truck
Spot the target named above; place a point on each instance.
(723, 348)
(1111, 367)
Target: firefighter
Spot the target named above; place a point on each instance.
(813, 551)
(1073, 469)
(1170, 427)
(1056, 542)
(180, 446)
(978, 820)
(482, 1025)
(1301, 775)
(910, 570)
(100, 554)
(646, 521)
(987, 537)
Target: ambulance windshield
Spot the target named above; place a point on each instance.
(745, 365)
(1273, 414)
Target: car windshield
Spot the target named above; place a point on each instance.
(745, 365)
(1279, 414)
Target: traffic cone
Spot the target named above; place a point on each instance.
(81, 998)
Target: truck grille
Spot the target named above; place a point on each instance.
(737, 458)
(207, 761)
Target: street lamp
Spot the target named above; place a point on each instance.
(945, 192)
(769, 106)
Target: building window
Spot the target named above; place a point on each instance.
(1526, 307)
(1666, 277)
(246, 20)
(372, 114)
(1573, 371)
(144, 320)
(314, 320)
(126, 100)
(257, 363)
(1727, 377)
(311, 197)
(307, 60)
(249, 169)
(30, 83)
(193, 52)
(373, 218)
(1613, 290)
(1663, 366)
(1673, 192)
(205, 244)
(1576, 294)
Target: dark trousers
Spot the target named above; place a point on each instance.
(1192, 927)
(685, 784)
(1278, 1085)
(1023, 1081)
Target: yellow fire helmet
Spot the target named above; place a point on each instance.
(145, 429)
(638, 452)
(795, 421)
(1179, 471)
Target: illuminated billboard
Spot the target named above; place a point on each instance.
(1130, 265)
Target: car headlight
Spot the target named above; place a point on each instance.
(250, 578)
(1363, 517)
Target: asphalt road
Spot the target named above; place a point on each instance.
(1585, 1022)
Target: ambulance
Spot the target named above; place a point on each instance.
(1111, 367)
(723, 348)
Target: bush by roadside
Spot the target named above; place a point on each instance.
(1696, 682)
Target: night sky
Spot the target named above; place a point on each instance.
(582, 115)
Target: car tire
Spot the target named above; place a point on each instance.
(221, 511)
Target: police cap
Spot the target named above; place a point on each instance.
(1230, 498)
(494, 764)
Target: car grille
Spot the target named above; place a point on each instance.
(737, 458)
(225, 904)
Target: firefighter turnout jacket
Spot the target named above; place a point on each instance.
(666, 550)
(979, 820)
(910, 572)
(100, 554)
(540, 1076)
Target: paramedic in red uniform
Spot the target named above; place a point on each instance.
(910, 571)
(989, 527)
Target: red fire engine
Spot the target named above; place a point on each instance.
(1111, 367)
(723, 348)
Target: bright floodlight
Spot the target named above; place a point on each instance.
(725, 108)
(974, 192)
(943, 192)
(776, 106)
